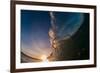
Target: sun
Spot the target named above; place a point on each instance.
(44, 58)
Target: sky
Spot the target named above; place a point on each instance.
(34, 31)
(35, 26)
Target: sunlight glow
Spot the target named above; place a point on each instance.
(44, 58)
